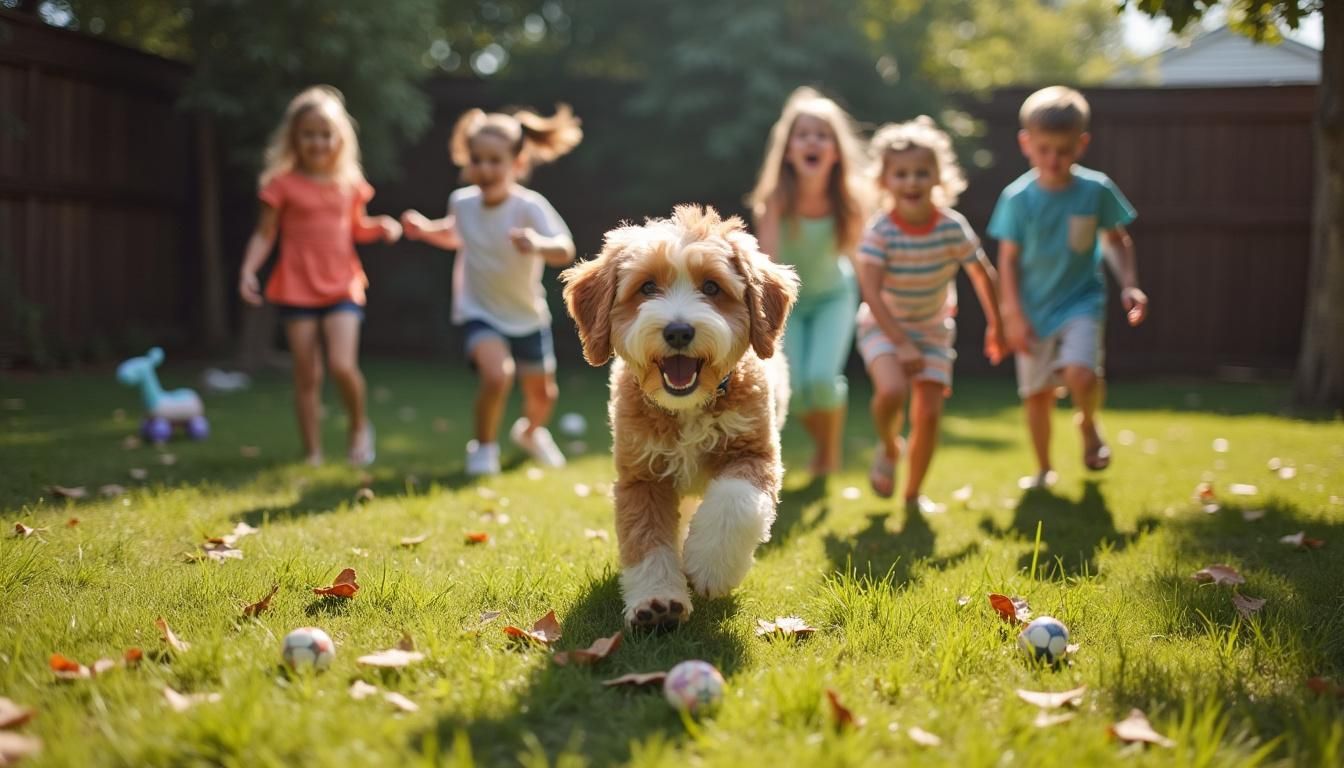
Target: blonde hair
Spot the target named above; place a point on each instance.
(532, 137)
(921, 133)
(779, 181)
(281, 155)
(1057, 109)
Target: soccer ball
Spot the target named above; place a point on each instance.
(573, 425)
(1045, 639)
(694, 687)
(308, 648)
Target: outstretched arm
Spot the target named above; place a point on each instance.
(440, 233)
(556, 250)
(368, 229)
(258, 248)
(767, 230)
(1118, 248)
(985, 281)
(1016, 330)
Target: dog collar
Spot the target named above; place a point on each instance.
(723, 385)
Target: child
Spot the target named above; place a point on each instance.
(809, 210)
(1048, 223)
(505, 234)
(907, 264)
(313, 190)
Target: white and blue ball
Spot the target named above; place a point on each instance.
(694, 687)
(308, 648)
(1045, 639)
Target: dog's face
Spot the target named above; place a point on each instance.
(680, 300)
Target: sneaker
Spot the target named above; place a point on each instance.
(539, 445)
(482, 458)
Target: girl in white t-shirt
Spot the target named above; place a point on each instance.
(505, 235)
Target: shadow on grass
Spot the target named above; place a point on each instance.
(890, 547)
(791, 516)
(568, 709)
(1073, 531)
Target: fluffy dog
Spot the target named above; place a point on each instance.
(692, 311)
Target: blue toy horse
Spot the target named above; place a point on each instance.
(163, 410)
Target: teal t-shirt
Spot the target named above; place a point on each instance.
(1060, 265)
(808, 245)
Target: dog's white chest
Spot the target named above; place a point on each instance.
(682, 455)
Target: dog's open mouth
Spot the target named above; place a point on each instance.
(680, 373)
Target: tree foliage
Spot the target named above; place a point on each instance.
(1262, 20)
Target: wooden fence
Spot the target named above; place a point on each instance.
(96, 196)
(99, 230)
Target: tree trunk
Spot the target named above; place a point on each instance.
(1320, 367)
(214, 318)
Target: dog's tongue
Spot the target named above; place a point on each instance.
(680, 370)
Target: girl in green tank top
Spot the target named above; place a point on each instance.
(809, 207)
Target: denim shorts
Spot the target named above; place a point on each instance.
(291, 312)
(532, 353)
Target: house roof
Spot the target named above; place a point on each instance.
(1223, 57)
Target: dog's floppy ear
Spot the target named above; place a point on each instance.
(590, 293)
(771, 291)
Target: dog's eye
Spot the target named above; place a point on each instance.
(710, 288)
(649, 288)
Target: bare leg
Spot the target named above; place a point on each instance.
(494, 365)
(540, 393)
(831, 430)
(926, 408)
(812, 422)
(341, 330)
(890, 393)
(1038, 408)
(1085, 388)
(304, 347)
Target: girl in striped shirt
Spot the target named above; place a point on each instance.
(908, 261)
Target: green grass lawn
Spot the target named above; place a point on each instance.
(1114, 559)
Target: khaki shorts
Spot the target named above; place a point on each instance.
(1078, 343)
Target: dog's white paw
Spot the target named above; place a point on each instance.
(655, 591)
(658, 614)
(733, 518)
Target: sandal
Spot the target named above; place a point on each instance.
(1097, 459)
(882, 474)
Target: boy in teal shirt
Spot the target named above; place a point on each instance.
(1055, 225)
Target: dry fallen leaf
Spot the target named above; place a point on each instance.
(963, 600)
(263, 604)
(1243, 489)
(15, 746)
(1287, 473)
(545, 631)
(22, 531)
(138, 473)
(363, 495)
(170, 638)
(181, 702)
(12, 715)
(217, 552)
(360, 690)
(1137, 728)
(1251, 515)
(583, 657)
(1218, 574)
(1014, 610)
(76, 492)
(595, 534)
(1247, 606)
(1204, 493)
(923, 737)
(72, 522)
(344, 585)
(400, 702)
(840, 714)
(1052, 700)
(477, 537)
(111, 490)
(239, 531)
(406, 643)
(392, 658)
(636, 680)
(1324, 686)
(167, 459)
(486, 618)
(1302, 541)
(785, 627)
(68, 669)
(132, 657)
(102, 665)
(412, 541)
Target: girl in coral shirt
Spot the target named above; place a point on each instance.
(314, 194)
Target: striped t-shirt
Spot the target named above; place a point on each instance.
(920, 263)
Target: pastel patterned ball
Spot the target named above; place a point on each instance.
(695, 687)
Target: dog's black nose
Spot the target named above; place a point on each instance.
(678, 335)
